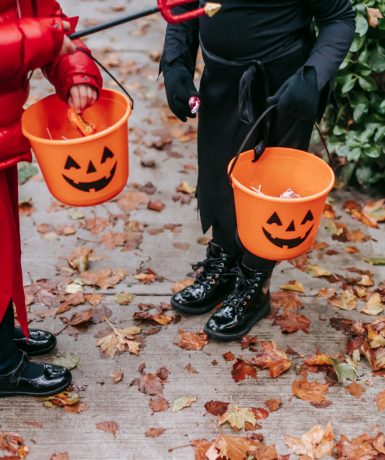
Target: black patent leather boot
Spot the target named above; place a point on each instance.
(212, 285)
(39, 342)
(50, 381)
(245, 306)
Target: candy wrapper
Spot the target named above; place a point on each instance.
(289, 194)
(84, 126)
(194, 103)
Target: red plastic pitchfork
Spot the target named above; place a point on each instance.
(164, 7)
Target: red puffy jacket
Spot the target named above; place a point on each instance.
(31, 35)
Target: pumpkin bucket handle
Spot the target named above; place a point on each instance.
(252, 130)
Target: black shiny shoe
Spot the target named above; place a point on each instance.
(53, 380)
(211, 286)
(248, 304)
(39, 342)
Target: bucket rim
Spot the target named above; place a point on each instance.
(82, 140)
(236, 182)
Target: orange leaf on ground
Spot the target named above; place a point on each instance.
(355, 389)
(158, 404)
(260, 414)
(229, 356)
(242, 369)
(309, 391)
(181, 285)
(273, 404)
(247, 341)
(216, 407)
(273, 357)
(286, 299)
(352, 250)
(315, 443)
(375, 357)
(318, 360)
(154, 432)
(292, 322)
(191, 341)
(380, 399)
(108, 427)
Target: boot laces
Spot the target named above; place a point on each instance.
(210, 266)
(243, 288)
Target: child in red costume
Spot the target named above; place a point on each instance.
(32, 35)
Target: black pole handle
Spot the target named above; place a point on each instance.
(109, 73)
(113, 23)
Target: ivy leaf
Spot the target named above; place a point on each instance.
(362, 25)
(372, 151)
(367, 83)
(347, 83)
(377, 59)
(353, 154)
(357, 43)
(344, 371)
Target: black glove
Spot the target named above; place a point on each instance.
(179, 84)
(298, 96)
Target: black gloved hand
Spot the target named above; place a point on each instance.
(179, 84)
(297, 96)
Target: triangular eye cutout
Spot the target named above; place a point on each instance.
(107, 154)
(274, 219)
(71, 163)
(291, 227)
(91, 168)
(309, 216)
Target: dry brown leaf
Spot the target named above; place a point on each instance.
(293, 286)
(108, 427)
(181, 285)
(229, 356)
(352, 250)
(345, 301)
(237, 416)
(154, 432)
(128, 201)
(117, 376)
(191, 341)
(76, 408)
(326, 292)
(183, 402)
(315, 443)
(380, 399)
(355, 389)
(101, 278)
(309, 391)
(374, 306)
(158, 404)
(242, 369)
(120, 340)
(95, 224)
(292, 322)
(273, 404)
(286, 299)
(374, 14)
(273, 358)
(216, 407)
(94, 299)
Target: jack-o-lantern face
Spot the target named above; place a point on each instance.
(97, 184)
(290, 243)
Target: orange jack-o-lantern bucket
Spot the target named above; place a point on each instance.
(271, 227)
(81, 171)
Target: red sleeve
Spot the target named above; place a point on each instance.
(67, 70)
(28, 43)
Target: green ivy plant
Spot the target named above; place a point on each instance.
(357, 130)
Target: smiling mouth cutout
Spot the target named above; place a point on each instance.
(96, 185)
(289, 243)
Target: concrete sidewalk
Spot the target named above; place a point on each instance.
(122, 403)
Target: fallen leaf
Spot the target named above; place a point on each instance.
(375, 209)
(129, 201)
(326, 292)
(68, 360)
(181, 285)
(158, 404)
(380, 399)
(315, 443)
(286, 299)
(185, 187)
(352, 250)
(80, 318)
(292, 322)
(260, 414)
(94, 299)
(229, 356)
(216, 407)
(191, 341)
(319, 360)
(34, 424)
(181, 246)
(328, 212)
(76, 408)
(101, 278)
(344, 371)
(242, 369)
(321, 405)
(293, 286)
(375, 260)
(319, 246)
(156, 205)
(124, 298)
(273, 404)
(108, 427)
(355, 389)
(154, 432)
(117, 376)
(345, 301)
(120, 340)
(374, 306)
(317, 271)
(204, 240)
(376, 357)
(183, 402)
(65, 398)
(190, 369)
(62, 456)
(273, 358)
(95, 225)
(366, 281)
(237, 416)
(309, 391)
(247, 341)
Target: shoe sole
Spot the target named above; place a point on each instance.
(42, 352)
(229, 337)
(37, 395)
(199, 311)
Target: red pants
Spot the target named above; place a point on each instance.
(11, 278)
